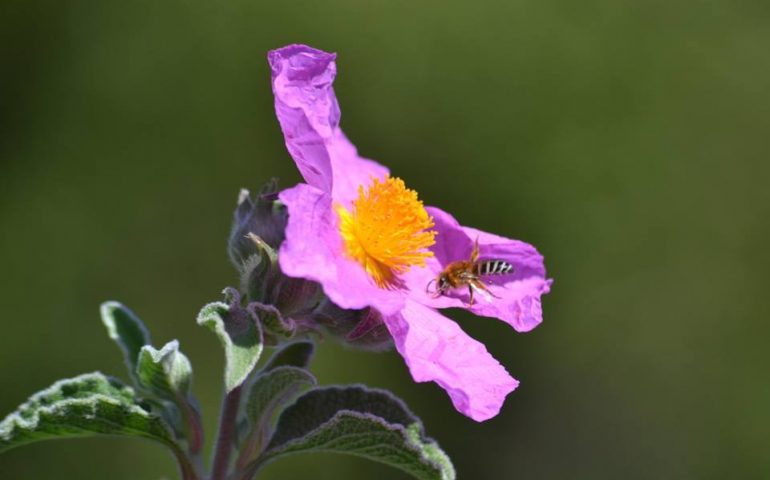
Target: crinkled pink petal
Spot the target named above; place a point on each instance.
(309, 115)
(313, 250)
(518, 294)
(436, 349)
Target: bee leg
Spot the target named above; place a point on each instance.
(470, 293)
(435, 292)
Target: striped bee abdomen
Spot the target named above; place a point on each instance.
(493, 267)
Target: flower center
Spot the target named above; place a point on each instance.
(386, 230)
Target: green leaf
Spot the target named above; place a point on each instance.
(238, 331)
(359, 421)
(127, 330)
(296, 354)
(274, 389)
(167, 375)
(90, 404)
(270, 392)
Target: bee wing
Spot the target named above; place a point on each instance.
(475, 252)
(480, 287)
(481, 290)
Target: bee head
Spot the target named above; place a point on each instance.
(442, 285)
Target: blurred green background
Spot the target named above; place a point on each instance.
(627, 140)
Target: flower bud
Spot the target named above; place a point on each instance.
(283, 304)
(263, 216)
(363, 329)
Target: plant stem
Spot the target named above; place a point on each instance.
(226, 434)
(192, 422)
(186, 469)
(249, 472)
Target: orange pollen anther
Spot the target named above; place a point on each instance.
(386, 230)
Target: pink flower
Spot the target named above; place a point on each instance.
(369, 242)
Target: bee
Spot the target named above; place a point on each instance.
(469, 272)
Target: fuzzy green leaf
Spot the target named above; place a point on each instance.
(270, 393)
(127, 330)
(238, 331)
(166, 374)
(90, 404)
(359, 421)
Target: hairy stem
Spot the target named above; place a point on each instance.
(192, 424)
(250, 471)
(226, 434)
(187, 470)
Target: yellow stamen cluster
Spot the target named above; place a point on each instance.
(386, 231)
